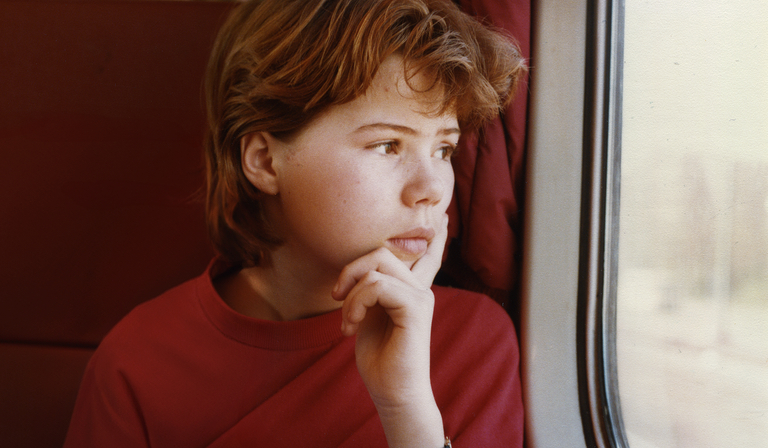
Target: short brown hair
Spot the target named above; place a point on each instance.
(276, 64)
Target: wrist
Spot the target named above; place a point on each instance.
(412, 425)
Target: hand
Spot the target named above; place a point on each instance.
(390, 309)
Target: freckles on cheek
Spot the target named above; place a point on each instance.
(354, 203)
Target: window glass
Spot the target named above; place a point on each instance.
(692, 298)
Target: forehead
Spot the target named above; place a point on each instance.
(391, 101)
(393, 98)
(391, 80)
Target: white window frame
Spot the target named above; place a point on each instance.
(570, 217)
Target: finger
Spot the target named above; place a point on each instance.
(380, 260)
(397, 299)
(366, 294)
(427, 266)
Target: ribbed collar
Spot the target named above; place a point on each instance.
(271, 335)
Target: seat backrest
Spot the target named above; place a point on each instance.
(101, 130)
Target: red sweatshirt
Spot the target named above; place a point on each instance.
(185, 370)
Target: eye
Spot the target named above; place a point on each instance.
(445, 152)
(385, 148)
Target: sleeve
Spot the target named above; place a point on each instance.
(476, 377)
(106, 412)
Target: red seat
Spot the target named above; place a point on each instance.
(101, 129)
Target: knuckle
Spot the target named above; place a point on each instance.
(371, 277)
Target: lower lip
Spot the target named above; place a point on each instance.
(412, 246)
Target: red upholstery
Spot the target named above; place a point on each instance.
(101, 124)
(486, 214)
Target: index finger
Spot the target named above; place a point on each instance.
(381, 260)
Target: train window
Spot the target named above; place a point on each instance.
(644, 300)
(691, 329)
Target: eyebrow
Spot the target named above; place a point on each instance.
(403, 129)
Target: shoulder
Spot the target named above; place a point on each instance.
(123, 371)
(475, 369)
(140, 345)
(173, 305)
(472, 329)
(470, 312)
(149, 328)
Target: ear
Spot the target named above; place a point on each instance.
(258, 163)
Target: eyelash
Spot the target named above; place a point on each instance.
(391, 147)
(450, 150)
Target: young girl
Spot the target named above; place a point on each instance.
(332, 125)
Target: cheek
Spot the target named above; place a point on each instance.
(451, 178)
(309, 176)
(326, 192)
(448, 182)
(359, 199)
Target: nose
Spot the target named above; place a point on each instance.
(428, 181)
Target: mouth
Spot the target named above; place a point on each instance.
(413, 243)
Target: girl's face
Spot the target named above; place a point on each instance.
(369, 173)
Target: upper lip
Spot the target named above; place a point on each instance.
(426, 233)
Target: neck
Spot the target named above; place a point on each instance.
(284, 290)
